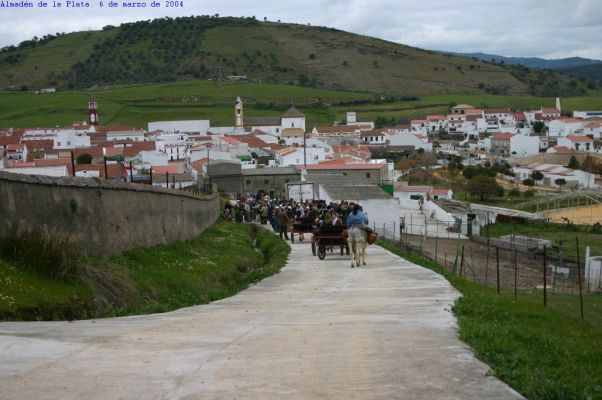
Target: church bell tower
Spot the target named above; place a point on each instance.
(92, 111)
(238, 113)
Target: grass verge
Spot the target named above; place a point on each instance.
(220, 262)
(543, 353)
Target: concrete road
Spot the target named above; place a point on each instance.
(317, 330)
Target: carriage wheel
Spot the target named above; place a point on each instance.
(313, 248)
(321, 252)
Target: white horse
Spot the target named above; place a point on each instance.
(357, 241)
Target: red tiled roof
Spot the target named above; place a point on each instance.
(15, 164)
(54, 162)
(6, 140)
(137, 147)
(550, 111)
(570, 120)
(335, 129)
(198, 164)
(16, 146)
(335, 161)
(561, 149)
(503, 136)
(440, 192)
(230, 140)
(170, 169)
(497, 110)
(371, 133)
(350, 147)
(579, 138)
(252, 141)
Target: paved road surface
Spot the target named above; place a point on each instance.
(317, 330)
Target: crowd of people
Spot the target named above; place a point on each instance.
(282, 214)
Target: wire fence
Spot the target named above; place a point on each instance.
(518, 265)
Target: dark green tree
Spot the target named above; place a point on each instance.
(529, 182)
(573, 162)
(84, 158)
(536, 175)
(483, 187)
(560, 182)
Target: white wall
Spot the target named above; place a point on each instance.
(408, 139)
(192, 126)
(59, 170)
(524, 145)
(297, 122)
(70, 140)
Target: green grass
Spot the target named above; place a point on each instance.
(556, 233)
(543, 353)
(219, 263)
(137, 105)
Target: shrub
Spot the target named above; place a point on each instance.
(38, 252)
(514, 192)
(529, 193)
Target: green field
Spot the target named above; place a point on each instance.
(139, 104)
(543, 353)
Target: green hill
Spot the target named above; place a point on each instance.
(202, 47)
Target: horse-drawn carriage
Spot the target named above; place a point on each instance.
(327, 237)
(301, 226)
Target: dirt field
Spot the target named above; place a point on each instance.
(480, 264)
(578, 215)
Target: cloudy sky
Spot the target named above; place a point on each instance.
(540, 28)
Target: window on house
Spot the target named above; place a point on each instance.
(68, 143)
(344, 173)
(287, 180)
(414, 197)
(367, 174)
(248, 181)
(58, 143)
(266, 181)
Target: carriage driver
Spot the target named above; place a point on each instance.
(356, 217)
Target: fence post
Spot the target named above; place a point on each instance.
(384, 231)
(515, 274)
(462, 263)
(497, 268)
(436, 247)
(545, 267)
(579, 275)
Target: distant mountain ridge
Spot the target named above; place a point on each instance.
(533, 62)
(213, 48)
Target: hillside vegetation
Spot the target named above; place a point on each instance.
(203, 47)
(139, 104)
(46, 278)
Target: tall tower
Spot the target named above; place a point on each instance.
(92, 111)
(558, 104)
(238, 113)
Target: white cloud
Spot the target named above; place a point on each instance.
(544, 28)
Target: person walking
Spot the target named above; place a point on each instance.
(284, 219)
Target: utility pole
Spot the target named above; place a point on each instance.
(304, 151)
